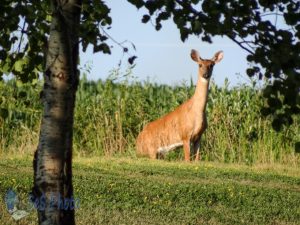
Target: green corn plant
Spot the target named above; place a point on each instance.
(110, 113)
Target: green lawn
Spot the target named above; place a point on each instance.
(129, 191)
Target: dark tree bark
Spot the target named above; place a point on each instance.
(53, 157)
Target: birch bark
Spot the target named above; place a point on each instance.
(53, 190)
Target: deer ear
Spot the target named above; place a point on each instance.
(195, 55)
(218, 57)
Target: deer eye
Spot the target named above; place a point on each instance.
(200, 65)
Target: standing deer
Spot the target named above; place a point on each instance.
(185, 125)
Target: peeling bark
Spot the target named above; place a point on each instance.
(53, 157)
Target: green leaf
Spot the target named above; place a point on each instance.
(137, 3)
(3, 113)
(19, 83)
(22, 94)
(184, 32)
(197, 27)
(265, 111)
(158, 26)
(6, 69)
(250, 72)
(206, 38)
(103, 47)
(145, 18)
(274, 102)
(48, 18)
(131, 60)
(277, 124)
(20, 64)
(152, 6)
(297, 147)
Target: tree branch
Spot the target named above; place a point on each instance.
(21, 38)
(184, 4)
(240, 44)
(272, 14)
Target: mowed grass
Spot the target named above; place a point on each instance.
(140, 191)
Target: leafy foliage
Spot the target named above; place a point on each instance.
(25, 28)
(268, 30)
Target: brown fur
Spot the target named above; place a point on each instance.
(183, 126)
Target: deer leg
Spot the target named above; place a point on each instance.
(196, 149)
(160, 155)
(153, 155)
(186, 148)
(151, 152)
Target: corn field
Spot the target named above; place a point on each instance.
(109, 116)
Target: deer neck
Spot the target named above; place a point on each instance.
(200, 95)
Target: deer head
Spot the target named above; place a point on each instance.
(206, 65)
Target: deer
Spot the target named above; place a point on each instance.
(185, 125)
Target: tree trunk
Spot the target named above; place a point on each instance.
(53, 190)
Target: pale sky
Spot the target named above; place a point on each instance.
(162, 57)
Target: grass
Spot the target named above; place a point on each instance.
(140, 191)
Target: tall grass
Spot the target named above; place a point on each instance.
(20, 113)
(110, 114)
